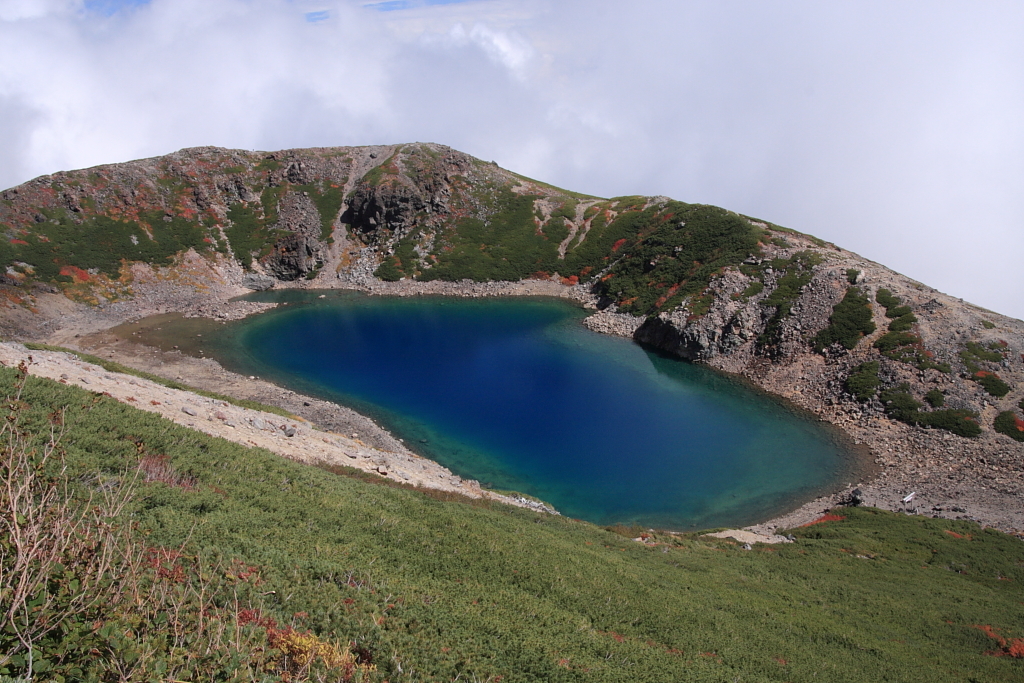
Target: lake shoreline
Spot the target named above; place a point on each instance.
(781, 454)
(966, 493)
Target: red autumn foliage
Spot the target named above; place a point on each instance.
(618, 245)
(254, 616)
(956, 535)
(586, 271)
(571, 280)
(167, 564)
(243, 572)
(665, 297)
(17, 241)
(827, 517)
(1012, 647)
(75, 272)
(984, 373)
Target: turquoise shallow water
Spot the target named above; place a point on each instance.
(518, 394)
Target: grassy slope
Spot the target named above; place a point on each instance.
(451, 590)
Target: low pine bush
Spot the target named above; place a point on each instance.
(890, 341)
(975, 353)
(886, 298)
(849, 322)
(1009, 424)
(991, 383)
(897, 312)
(903, 322)
(753, 289)
(388, 270)
(863, 381)
(901, 405)
(960, 422)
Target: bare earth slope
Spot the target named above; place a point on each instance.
(932, 386)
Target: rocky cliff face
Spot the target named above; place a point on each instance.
(891, 361)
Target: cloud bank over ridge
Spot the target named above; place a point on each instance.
(891, 130)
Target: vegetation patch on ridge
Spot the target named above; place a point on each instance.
(850, 321)
(60, 245)
(901, 405)
(796, 273)
(664, 253)
(863, 381)
(1009, 424)
(898, 343)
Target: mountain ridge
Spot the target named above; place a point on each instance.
(933, 386)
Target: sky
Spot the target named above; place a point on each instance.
(895, 130)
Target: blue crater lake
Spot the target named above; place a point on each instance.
(517, 394)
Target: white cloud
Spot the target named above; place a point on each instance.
(890, 129)
(17, 10)
(505, 48)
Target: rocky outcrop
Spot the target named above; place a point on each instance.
(302, 250)
(376, 212)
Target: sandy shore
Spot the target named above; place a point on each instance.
(294, 438)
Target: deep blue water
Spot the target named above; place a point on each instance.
(518, 394)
